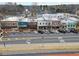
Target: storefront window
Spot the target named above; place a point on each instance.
(40, 23)
(68, 25)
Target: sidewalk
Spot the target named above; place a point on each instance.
(34, 47)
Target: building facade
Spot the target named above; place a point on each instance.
(32, 24)
(23, 24)
(77, 26)
(50, 24)
(9, 24)
(68, 24)
(44, 25)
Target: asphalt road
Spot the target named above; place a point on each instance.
(44, 38)
(36, 35)
(41, 38)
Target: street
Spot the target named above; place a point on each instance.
(41, 38)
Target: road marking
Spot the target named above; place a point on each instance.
(23, 38)
(61, 39)
(28, 42)
(8, 38)
(16, 38)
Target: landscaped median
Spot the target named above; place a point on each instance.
(35, 47)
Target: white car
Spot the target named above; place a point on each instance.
(35, 32)
(55, 31)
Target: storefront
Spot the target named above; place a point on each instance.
(23, 24)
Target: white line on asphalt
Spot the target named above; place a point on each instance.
(8, 38)
(28, 42)
(16, 38)
(61, 39)
(23, 38)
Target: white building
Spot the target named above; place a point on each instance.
(48, 23)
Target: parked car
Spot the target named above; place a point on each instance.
(41, 32)
(62, 31)
(35, 32)
(51, 32)
(73, 31)
(55, 31)
(46, 32)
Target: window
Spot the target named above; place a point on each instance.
(40, 23)
(68, 25)
(49, 23)
(71, 25)
(44, 27)
(13, 23)
(46, 23)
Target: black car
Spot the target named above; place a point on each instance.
(62, 31)
(41, 32)
(73, 31)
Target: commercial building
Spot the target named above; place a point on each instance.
(32, 24)
(69, 23)
(44, 24)
(23, 24)
(48, 24)
(77, 26)
(9, 24)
